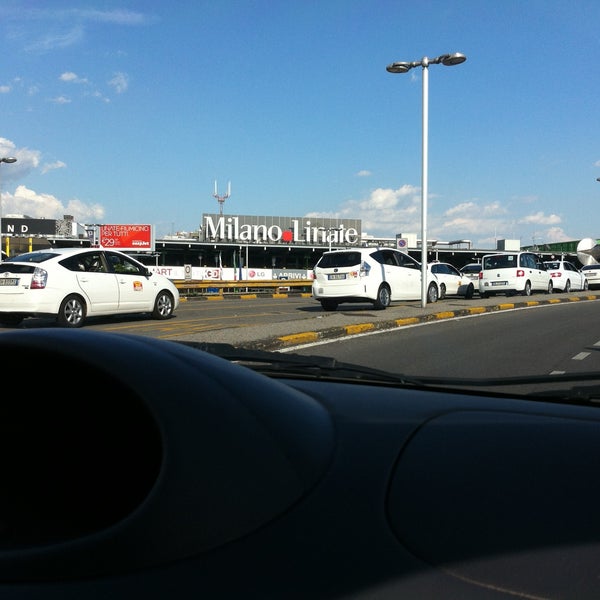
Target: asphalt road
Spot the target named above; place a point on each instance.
(280, 322)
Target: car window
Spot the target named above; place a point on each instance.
(339, 259)
(404, 260)
(552, 265)
(442, 268)
(92, 262)
(471, 269)
(528, 261)
(500, 261)
(34, 257)
(538, 263)
(123, 264)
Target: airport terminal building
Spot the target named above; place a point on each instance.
(266, 246)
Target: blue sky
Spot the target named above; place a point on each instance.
(128, 111)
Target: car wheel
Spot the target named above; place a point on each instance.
(329, 305)
(10, 319)
(567, 286)
(163, 306)
(72, 312)
(442, 291)
(383, 297)
(485, 294)
(527, 289)
(470, 291)
(586, 285)
(550, 287)
(432, 293)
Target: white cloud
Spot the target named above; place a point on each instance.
(53, 166)
(61, 100)
(540, 218)
(56, 40)
(71, 77)
(46, 206)
(119, 82)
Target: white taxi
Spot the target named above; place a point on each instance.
(375, 275)
(72, 284)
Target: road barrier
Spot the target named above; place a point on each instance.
(223, 288)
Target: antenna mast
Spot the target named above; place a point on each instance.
(221, 199)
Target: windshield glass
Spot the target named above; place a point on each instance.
(299, 199)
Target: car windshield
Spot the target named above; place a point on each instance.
(500, 261)
(340, 259)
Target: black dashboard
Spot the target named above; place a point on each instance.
(132, 465)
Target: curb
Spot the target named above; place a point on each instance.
(307, 337)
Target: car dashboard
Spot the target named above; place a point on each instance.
(133, 465)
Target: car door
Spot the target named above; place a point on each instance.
(542, 275)
(449, 276)
(574, 275)
(136, 291)
(97, 283)
(405, 275)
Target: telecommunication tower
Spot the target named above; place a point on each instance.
(221, 199)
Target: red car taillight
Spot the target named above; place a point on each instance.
(39, 279)
(520, 273)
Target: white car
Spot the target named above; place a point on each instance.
(513, 273)
(471, 271)
(592, 275)
(375, 275)
(451, 281)
(72, 284)
(566, 276)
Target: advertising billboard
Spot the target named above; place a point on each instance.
(127, 237)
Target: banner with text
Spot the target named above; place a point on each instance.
(127, 237)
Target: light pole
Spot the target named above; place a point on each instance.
(330, 231)
(6, 159)
(403, 67)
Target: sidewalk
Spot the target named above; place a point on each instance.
(351, 319)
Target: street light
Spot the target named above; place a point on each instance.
(6, 159)
(330, 231)
(448, 60)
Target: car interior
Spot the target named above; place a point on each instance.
(181, 469)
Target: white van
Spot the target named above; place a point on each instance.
(375, 275)
(513, 273)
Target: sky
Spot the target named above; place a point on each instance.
(123, 112)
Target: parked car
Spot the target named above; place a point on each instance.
(73, 284)
(566, 276)
(592, 275)
(375, 275)
(451, 281)
(513, 273)
(472, 272)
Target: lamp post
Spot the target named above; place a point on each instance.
(403, 67)
(6, 159)
(329, 232)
